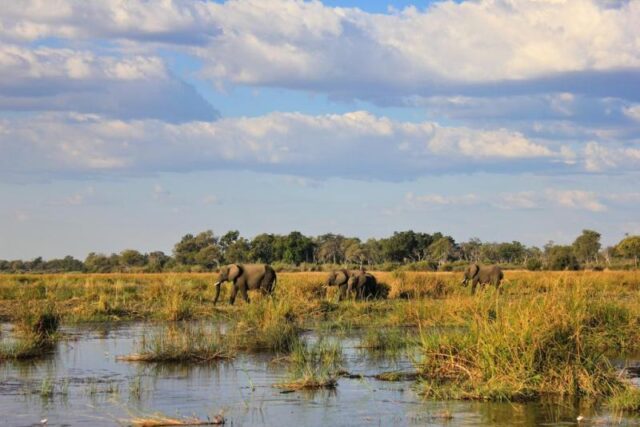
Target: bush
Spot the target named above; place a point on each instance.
(533, 264)
(562, 258)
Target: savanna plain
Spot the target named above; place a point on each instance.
(152, 349)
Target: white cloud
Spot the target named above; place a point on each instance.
(576, 199)
(442, 200)
(611, 157)
(356, 145)
(519, 200)
(131, 86)
(551, 197)
(297, 43)
(633, 112)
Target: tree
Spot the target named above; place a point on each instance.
(298, 248)
(97, 263)
(629, 247)
(156, 261)
(354, 251)
(470, 251)
(331, 248)
(202, 249)
(208, 257)
(442, 250)
(131, 258)
(238, 251)
(262, 248)
(587, 245)
(561, 258)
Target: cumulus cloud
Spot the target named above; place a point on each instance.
(611, 157)
(134, 86)
(355, 145)
(576, 199)
(518, 200)
(551, 197)
(349, 52)
(442, 200)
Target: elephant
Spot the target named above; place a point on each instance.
(364, 284)
(485, 274)
(339, 278)
(246, 277)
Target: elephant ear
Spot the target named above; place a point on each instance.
(234, 271)
(473, 270)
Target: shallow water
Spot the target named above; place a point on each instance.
(83, 384)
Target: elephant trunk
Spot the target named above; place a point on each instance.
(217, 285)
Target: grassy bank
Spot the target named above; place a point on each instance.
(547, 333)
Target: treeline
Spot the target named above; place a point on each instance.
(295, 251)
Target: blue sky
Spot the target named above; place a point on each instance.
(128, 126)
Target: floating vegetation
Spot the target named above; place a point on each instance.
(164, 421)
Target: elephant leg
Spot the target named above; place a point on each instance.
(234, 292)
(343, 292)
(474, 284)
(245, 294)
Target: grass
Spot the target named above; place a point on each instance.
(314, 366)
(548, 333)
(181, 344)
(518, 350)
(36, 334)
(626, 400)
(387, 340)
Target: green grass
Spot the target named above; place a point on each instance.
(518, 350)
(313, 366)
(626, 400)
(181, 344)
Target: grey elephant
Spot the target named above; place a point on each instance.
(363, 284)
(339, 278)
(246, 277)
(482, 274)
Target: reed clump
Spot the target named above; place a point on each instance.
(181, 344)
(266, 325)
(387, 340)
(518, 350)
(36, 334)
(314, 366)
(626, 400)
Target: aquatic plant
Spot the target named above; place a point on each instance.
(313, 365)
(185, 343)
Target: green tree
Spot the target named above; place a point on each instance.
(561, 258)
(298, 248)
(238, 251)
(130, 258)
(156, 261)
(629, 247)
(202, 249)
(442, 250)
(587, 245)
(262, 248)
(330, 248)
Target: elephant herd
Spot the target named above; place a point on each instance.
(359, 283)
